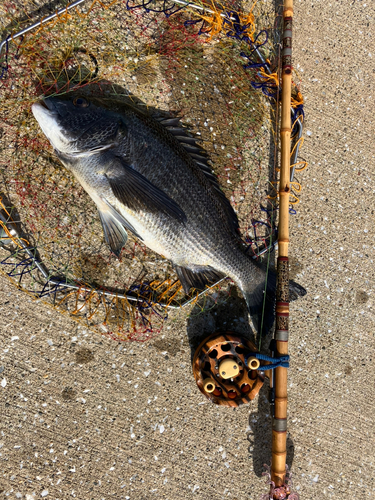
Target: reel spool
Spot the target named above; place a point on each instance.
(225, 371)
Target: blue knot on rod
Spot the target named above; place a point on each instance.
(282, 361)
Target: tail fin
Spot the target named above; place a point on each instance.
(295, 291)
(261, 299)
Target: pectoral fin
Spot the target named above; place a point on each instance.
(116, 215)
(137, 193)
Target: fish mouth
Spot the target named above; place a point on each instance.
(43, 108)
(44, 105)
(49, 104)
(48, 119)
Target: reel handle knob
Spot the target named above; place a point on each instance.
(209, 385)
(253, 363)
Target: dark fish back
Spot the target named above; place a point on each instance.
(176, 164)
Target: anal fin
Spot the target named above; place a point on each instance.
(197, 279)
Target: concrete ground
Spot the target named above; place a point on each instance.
(88, 418)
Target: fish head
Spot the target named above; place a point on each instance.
(75, 125)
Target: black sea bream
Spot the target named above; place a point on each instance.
(148, 177)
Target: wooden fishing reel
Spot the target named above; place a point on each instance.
(226, 370)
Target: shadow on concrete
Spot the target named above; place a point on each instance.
(224, 311)
(260, 433)
(31, 17)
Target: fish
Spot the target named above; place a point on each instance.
(148, 176)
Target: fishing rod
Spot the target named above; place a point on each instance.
(279, 479)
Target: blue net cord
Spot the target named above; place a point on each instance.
(148, 4)
(238, 31)
(281, 362)
(4, 68)
(297, 112)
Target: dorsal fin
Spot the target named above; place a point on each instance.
(169, 122)
(199, 155)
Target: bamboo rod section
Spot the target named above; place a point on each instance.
(279, 425)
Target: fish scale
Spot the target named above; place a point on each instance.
(169, 167)
(155, 182)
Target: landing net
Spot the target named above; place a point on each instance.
(215, 67)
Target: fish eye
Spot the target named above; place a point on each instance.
(81, 102)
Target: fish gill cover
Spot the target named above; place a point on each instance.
(211, 68)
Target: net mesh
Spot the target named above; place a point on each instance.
(202, 66)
